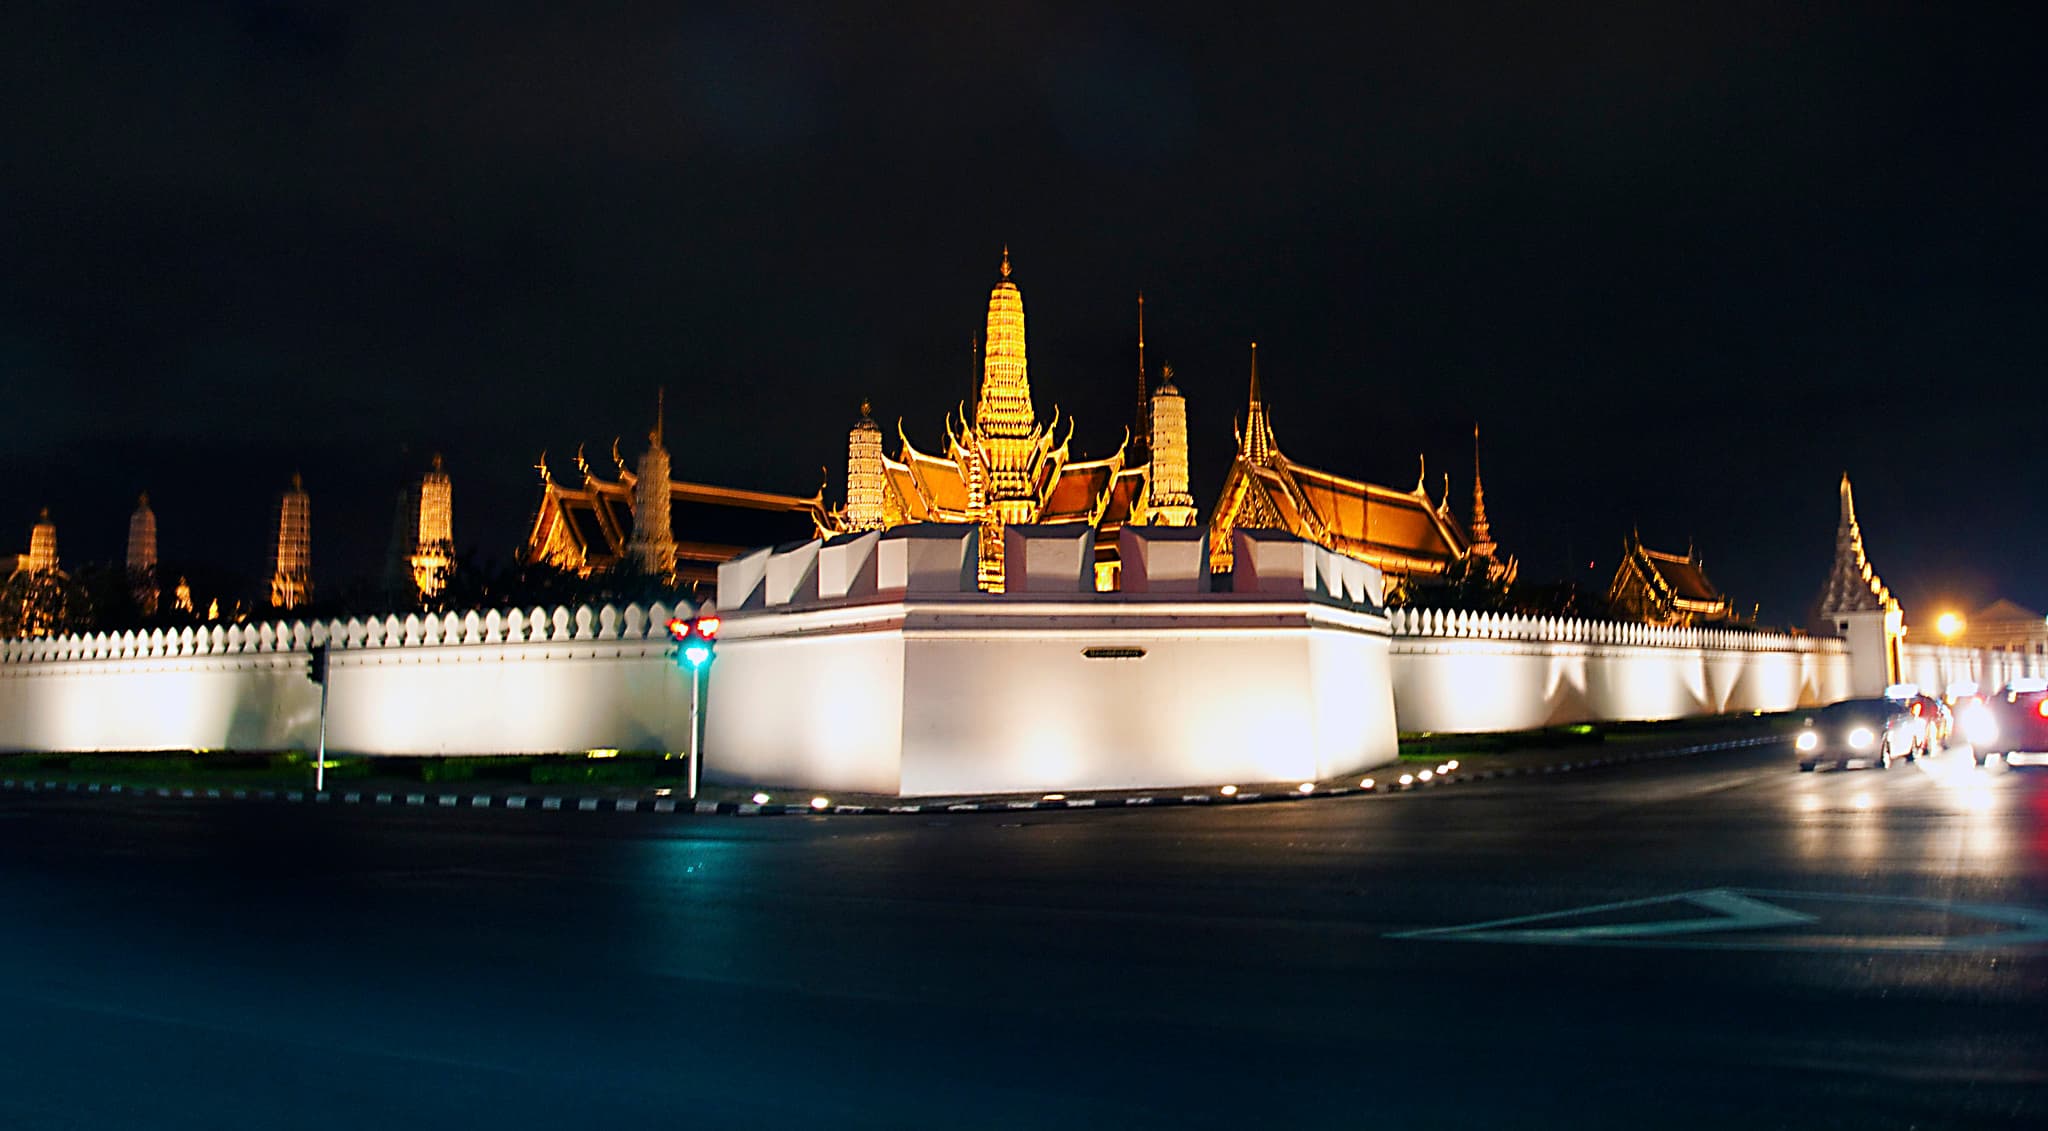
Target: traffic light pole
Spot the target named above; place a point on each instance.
(320, 759)
(696, 729)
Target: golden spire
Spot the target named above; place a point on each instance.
(1143, 430)
(864, 475)
(1172, 502)
(1003, 415)
(1482, 531)
(660, 411)
(1853, 585)
(1258, 432)
(1141, 331)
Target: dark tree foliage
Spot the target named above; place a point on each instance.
(1468, 586)
(44, 603)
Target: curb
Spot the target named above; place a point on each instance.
(1405, 783)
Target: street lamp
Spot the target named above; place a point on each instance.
(1948, 625)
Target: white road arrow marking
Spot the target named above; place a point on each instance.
(1746, 909)
(1732, 911)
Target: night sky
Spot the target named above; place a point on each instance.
(1683, 265)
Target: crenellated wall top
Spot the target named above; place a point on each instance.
(582, 623)
(1463, 625)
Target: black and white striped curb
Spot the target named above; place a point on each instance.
(1397, 779)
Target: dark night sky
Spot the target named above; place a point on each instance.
(1684, 265)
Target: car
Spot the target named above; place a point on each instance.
(2012, 723)
(1934, 721)
(1874, 732)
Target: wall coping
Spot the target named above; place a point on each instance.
(1452, 624)
(581, 624)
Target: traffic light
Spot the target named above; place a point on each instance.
(316, 664)
(697, 639)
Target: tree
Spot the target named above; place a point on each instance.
(44, 603)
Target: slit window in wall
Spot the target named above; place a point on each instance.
(1113, 653)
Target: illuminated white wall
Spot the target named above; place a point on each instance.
(1465, 672)
(1935, 666)
(985, 693)
(922, 688)
(530, 682)
(870, 664)
(821, 710)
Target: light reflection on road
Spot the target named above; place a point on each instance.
(1943, 813)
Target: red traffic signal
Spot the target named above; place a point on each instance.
(697, 636)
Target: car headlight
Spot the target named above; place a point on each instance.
(1807, 740)
(1859, 738)
(1978, 725)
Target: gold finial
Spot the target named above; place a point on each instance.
(437, 461)
(1006, 261)
(660, 410)
(143, 501)
(297, 483)
(1166, 371)
(866, 409)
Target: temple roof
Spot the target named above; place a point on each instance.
(1080, 492)
(1668, 584)
(1131, 486)
(1852, 586)
(590, 526)
(1391, 528)
(936, 483)
(1683, 576)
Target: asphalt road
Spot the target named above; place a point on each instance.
(195, 964)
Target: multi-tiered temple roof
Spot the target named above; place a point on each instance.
(1853, 586)
(1005, 467)
(590, 525)
(1662, 588)
(1404, 533)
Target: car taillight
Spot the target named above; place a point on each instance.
(2041, 708)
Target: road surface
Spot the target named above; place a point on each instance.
(217, 964)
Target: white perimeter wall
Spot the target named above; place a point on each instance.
(923, 698)
(1485, 672)
(823, 710)
(539, 682)
(870, 703)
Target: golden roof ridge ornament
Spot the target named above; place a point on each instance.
(1256, 441)
(1006, 261)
